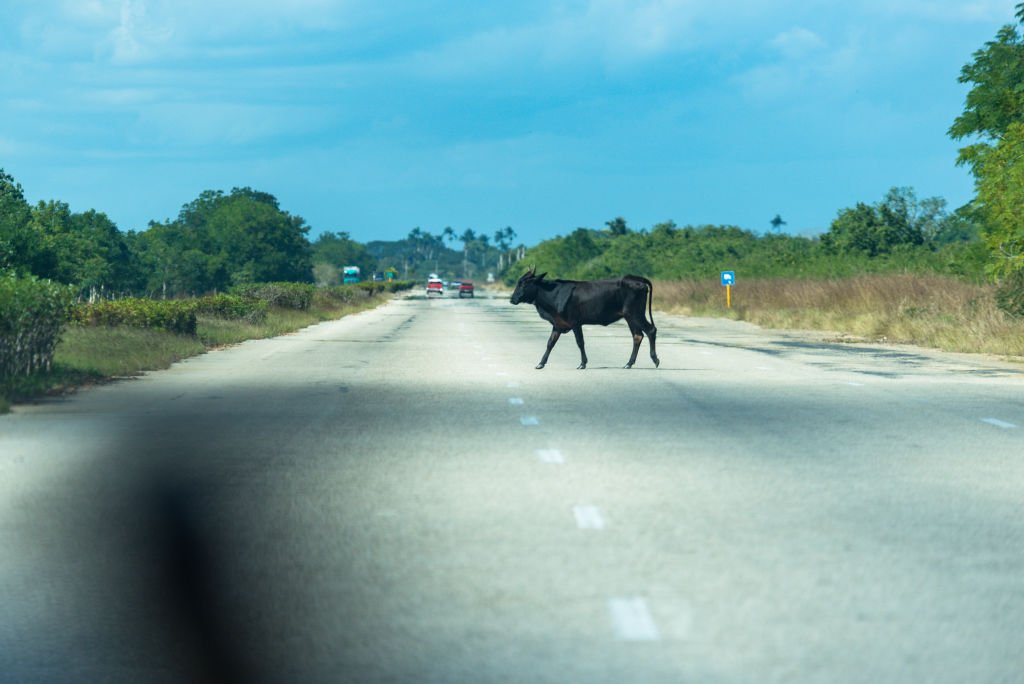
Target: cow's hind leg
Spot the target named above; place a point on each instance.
(652, 334)
(638, 337)
(555, 334)
(578, 331)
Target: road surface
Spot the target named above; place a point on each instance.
(399, 496)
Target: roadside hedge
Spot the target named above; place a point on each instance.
(287, 295)
(232, 307)
(177, 316)
(32, 314)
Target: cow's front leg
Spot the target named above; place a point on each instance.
(555, 334)
(578, 331)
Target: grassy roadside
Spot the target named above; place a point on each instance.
(93, 354)
(929, 311)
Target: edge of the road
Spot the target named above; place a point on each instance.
(676, 320)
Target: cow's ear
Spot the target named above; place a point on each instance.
(541, 276)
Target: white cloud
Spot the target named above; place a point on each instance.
(615, 33)
(215, 125)
(806, 64)
(797, 42)
(138, 36)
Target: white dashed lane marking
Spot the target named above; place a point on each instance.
(550, 456)
(530, 420)
(631, 620)
(998, 423)
(588, 517)
(515, 401)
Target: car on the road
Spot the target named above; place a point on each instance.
(435, 287)
(465, 289)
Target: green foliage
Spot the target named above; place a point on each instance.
(85, 249)
(898, 221)
(999, 179)
(1010, 294)
(177, 316)
(18, 248)
(331, 252)
(230, 306)
(668, 252)
(994, 116)
(282, 294)
(32, 314)
(222, 240)
(996, 98)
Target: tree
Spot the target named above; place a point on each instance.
(777, 223)
(82, 249)
(996, 98)
(19, 250)
(1000, 186)
(222, 239)
(898, 220)
(331, 252)
(467, 238)
(617, 226)
(503, 240)
(994, 114)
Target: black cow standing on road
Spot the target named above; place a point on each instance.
(571, 304)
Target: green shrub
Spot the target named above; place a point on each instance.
(177, 316)
(230, 306)
(32, 314)
(1010, 294)
(337, 295)
(286, 295)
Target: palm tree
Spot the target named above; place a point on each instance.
(468, 237)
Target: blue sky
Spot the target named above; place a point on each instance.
(378, 116)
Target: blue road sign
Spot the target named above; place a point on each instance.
(728, 278)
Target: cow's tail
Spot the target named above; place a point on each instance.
(650, 299)
(650, 294)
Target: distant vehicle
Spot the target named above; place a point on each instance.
(465, 289)
(350, 274)
(435, 287)
(378, 277)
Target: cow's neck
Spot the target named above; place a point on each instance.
(545, 300)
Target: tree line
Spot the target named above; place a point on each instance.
(897, 233)
(218, 240)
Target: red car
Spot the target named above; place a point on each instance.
(465, 289)
(435, 287)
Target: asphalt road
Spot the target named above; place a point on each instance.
(400, 497)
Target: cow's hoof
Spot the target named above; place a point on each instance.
(582, 366)
(539, 366)
(628, 366)
(657, 363)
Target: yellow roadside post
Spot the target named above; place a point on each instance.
(728, 280)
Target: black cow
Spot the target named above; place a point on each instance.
(571, 304)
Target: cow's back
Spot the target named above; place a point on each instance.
(603, 302)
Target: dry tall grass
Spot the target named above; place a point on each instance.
(931, 311)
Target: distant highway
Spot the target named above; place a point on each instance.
(400, 497)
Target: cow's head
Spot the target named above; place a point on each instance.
(526, 288)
